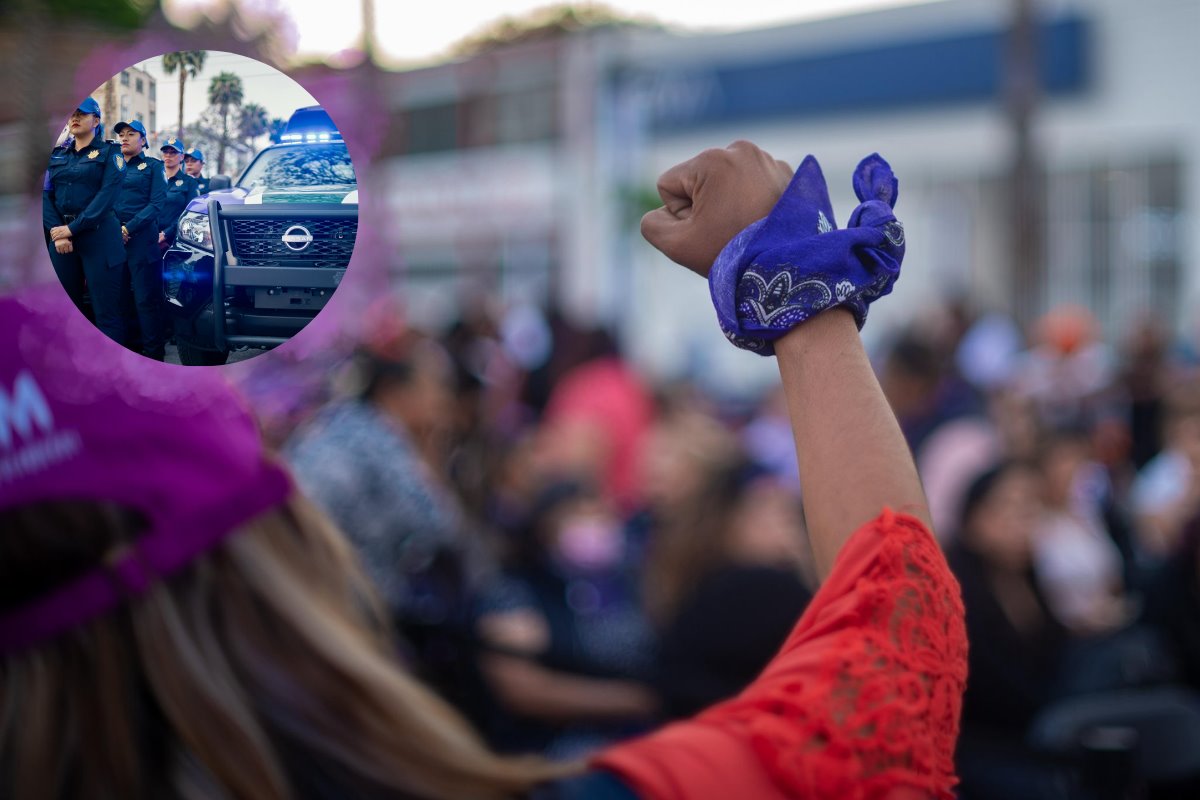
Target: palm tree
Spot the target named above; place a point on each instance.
(276, 128)
(224, 93)
(252, 122)
(189, 63)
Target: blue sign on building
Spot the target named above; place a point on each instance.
(961, 69)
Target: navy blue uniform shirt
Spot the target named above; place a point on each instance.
(180, 190)
(143, 192)
(80, 191)
(202, 184)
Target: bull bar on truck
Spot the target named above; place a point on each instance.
(228, 272)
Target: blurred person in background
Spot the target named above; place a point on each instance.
(922, 386)
(376, 463)
(1079, 564)
(910, 375)
(225, 646)
(519, 476)
(1069, 372)
(567, 650)
(955, 454)
(1083, 551)
(569, 345)
(729, 582)
(1017, 422)
(596, 421)
(1166, 493)
(488, 419)
(684, 448)
(1016, 642)
(1144, 377)
(766, 439)
(1173, 603)
(1004, 426)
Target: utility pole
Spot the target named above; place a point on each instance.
(110, 104)
(28, 68)
(369, 44)
(1026, 182)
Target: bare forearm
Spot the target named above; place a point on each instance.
(534, 691)
(853, 458)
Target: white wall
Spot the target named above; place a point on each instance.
(1141, 103)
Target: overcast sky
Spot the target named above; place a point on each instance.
(405, 34)
(263, 84)
(413, 32)
(410, 35)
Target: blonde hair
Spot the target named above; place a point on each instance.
(691, 539)
(266, 655)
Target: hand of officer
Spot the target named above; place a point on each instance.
(64, 246)
(162, 237)
(60, 232)
(709, 199)
(125, 234)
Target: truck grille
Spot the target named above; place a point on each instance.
(259, 242)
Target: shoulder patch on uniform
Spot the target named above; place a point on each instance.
(93, 154)
(119, 161)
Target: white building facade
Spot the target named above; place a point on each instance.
(548, 152)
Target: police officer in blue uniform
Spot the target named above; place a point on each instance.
(139, 205)
(181, 188)
(83, 234)
(193, 164)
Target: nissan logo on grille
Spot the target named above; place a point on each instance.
(297, 238)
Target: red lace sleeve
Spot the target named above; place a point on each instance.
(862, 701)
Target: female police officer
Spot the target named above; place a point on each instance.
(84, 237)
(138, 208)
(181, 188)
(193, 164)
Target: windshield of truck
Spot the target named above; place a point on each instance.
(299, 166)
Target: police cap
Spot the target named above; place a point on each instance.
(136, 124)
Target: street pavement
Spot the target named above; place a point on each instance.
(234, 357)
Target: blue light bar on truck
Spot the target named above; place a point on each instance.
(310, 137)
(310, 124)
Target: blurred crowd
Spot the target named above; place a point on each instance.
(573, 554)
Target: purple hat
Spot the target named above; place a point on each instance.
(83, 419)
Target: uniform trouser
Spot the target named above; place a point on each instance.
(145, 277)
(104, 281)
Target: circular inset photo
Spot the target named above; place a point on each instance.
(200, 207)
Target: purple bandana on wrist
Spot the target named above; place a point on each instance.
(795, 263)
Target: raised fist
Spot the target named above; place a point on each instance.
(708, 199)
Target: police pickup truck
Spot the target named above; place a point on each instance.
(253, 263)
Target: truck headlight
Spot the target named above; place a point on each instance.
(194, 229)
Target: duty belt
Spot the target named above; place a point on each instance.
(69, 217)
